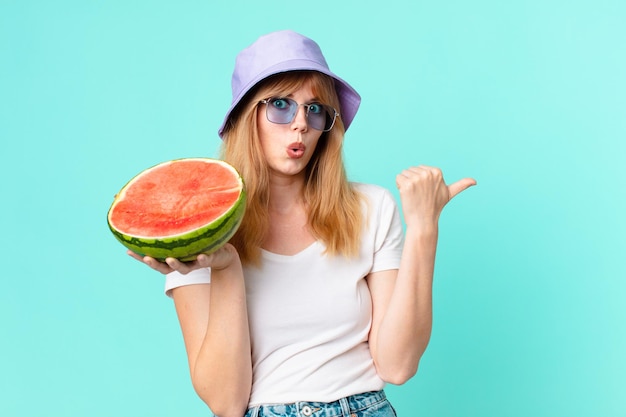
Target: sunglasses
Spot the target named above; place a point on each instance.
(282, 110)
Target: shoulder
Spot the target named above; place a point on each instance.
(383, 226)
(378, 203)
(374, 195)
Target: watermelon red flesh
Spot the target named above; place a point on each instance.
(179, 208)
(177, 198)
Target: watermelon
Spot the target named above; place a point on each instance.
(179, 208)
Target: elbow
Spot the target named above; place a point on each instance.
(228, 411)
(222, 404)
(398, 376)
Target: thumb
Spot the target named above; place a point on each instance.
(220, 259)
(461, 185)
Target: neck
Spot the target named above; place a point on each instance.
(286, 193)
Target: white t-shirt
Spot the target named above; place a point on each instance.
(310, 314)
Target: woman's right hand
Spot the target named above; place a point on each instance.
(220, 259)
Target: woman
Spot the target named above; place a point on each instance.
(319, 299)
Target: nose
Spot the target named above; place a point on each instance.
(300, 121)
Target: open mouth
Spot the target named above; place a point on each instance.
(296, 150)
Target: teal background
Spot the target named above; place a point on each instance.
(528, 97)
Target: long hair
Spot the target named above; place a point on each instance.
(334, 207)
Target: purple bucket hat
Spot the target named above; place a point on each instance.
(281, 52)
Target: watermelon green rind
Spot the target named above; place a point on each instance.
(187, 246)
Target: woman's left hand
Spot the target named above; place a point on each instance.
(424, 193)
(218, 260)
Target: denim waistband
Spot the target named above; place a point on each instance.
(342, 407)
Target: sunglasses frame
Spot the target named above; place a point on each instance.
(327, 108)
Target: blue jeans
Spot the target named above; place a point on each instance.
(368, 404)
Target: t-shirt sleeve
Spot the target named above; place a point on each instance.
(176, 279)
(389, 237)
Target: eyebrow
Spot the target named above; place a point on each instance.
(315, 99)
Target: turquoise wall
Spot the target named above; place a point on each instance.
(528, 97)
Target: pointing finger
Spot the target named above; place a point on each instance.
(461, 185)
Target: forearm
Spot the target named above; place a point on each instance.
(405, 329)
(223, 371)
(219, 346)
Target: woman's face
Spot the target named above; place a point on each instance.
(288, 148)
